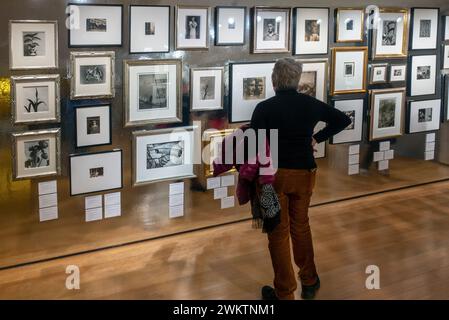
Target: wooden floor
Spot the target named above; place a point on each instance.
(405, 233)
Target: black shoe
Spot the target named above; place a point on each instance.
(308, 292)
(268, 293)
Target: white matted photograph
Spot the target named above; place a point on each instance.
(311, 30)
(230, 26)
(354, 109)
(424, 116)
(95, 25)
(423, 75)
(398, 73)
(206, 88)
(424, 33)
(390, 37)
(95, 172)
(33, 44)
(349, 67)
(350, 25)
(446, 28)
(378, 73)
(93, 125)
(314, 76)
(271, 30)
(192, 27)
(35, 99)
(149, 29)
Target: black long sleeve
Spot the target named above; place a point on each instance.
(336, 121)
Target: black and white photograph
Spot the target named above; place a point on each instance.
(96, 172)
(424, 28)
(422, 79)
(207, 87)
(378, 73)
(254, 88)
(308, 83)
(312, 32)
(424, 115)
(390, 34)
(192, 27)
(93, 74)
(36, 154)
(271, 32)
(386, 113)
(424, 31)
(33, 44)
(230, 26)
(350, 25)
(271, 29)
(165, 154)
(93, 125)
(398, 73)
(354, 109)
(96, 25)
(314, 78)
(150, 28)
(349, 70)
(153, 91)
(351, 115)
(37, 99)
(423, 72)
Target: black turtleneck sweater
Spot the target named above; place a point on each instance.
(295, 115)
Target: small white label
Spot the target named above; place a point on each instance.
(383, 165)
(354, 149)
(353, 169)
(384, 146)
(93, 202)
(47, 187)
(220, 193)
(176, 200)
(47, 214)
(213, 183)
(354, 159)
(227, 202)
(176, 211)
(94, 214)
(112, 211)
(378, 156)
(389, 155)
(429, 155)
(227, 181)
(112, 199)
(430, 137)
(176, 188)
(430, 146)
(48, 200)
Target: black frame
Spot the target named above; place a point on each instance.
(445, 99)
(231, 66)
(445, 24)
(409, 75)
(443, 57)
(89, 154)
(169, 27)
(408, 118)
(364, 116)
(101, 45)
(245, 21)
(412, 26)
(76, 125)
(294, 26)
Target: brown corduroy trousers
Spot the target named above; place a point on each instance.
(294, 188)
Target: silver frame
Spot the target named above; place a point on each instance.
(326, 75)
(126, 88)
(371, 74)
(192, 70)
(11, 54)
(74, 73)
(398, 65)
(30, 79)
(15, 136)
(177, 46)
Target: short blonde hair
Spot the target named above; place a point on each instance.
(286, 74)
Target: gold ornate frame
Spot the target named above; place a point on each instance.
(337, 27)
(207, 136)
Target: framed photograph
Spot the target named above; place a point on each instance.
(387, 113)
(424, 116)
(320, 147)
(424, 28)
(349, 65)
(230, 26)
(378, 73)
(33, 44)
(398, 73)
(249, 83)
(311, 30)
(446, 56)
(271, 30)
(206, 89)
(93, 125)
(36, 154)
(313, 81)
(446, 97)
(149, 29)
(350, 25)
(192, 27)
(354, 109)
(96, 172)
(390, 37)
(35, 99)
(93, 75)
(152, 91)
(95, 25)
(446, 28)
(422, 78)
(212, 146)
(163, 155)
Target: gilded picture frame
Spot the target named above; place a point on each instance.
(208, 136)
(338, 13)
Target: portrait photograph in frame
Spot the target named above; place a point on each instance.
(314, 77)
(249, 84)
(390, 37)
(96, 172)
(33, 44)
(387, 113)
(206, 88)
(424, 116)
(93, 125)
(149, 29)
(355, 110)
(36, 154)
(212, 146)
(271, 30)
(378, 73)
(152, 91)
(398, 73)
(192, 27)
(349, 67)
(163, 155)
(350, 25)
(93, 75)
(35, 99)
(422, 75)
(95, 25)
(424, 28)
(230, 26)
(311, 31)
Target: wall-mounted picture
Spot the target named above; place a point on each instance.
(192, 27)
(212, 148)
(446, 97)
(422, 79)
(378, 73)
(162, 155)
(354, 109)
(230, 26)
(95, 25)
(35, 99)
(350, 24)
(390, 37)
(271, 30)
(206, 89)
(424, 116)
(446, 28)
(349, 65)
(387, 112)
(313, 81)
(149, 29)
(152, 91)
(36, 154)
(446, 56)
(33, 44)
(398, 73)
(95, 172)
(320, 148)
(311, 30)
(93, 75)
(93, 125)
(250, 83)
(424, 26)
